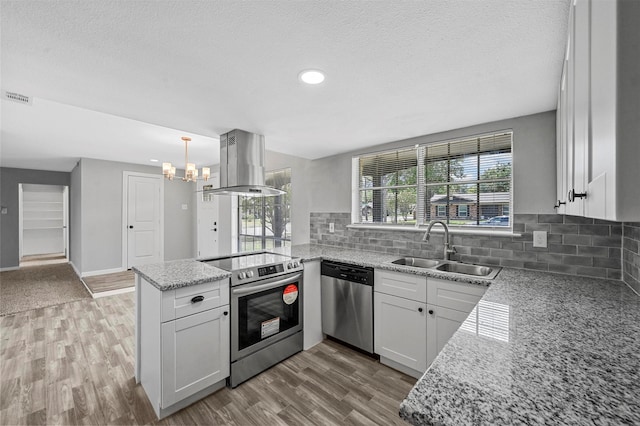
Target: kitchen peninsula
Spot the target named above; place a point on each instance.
(182, 332)
(544, 349)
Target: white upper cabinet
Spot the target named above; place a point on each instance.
(598, 138)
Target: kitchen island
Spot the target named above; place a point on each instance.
(544, 349)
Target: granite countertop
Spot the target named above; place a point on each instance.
(310, 252)
(179, 273)
(546, 349)
(549, 349)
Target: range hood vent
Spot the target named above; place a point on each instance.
(242, 166)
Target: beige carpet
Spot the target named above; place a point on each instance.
(39, 286)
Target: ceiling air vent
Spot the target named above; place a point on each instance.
(16, 97)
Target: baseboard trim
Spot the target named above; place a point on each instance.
(113, 292)
(103, 272)
(9, 268)
(76, 270)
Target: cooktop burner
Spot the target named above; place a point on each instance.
(251, 267)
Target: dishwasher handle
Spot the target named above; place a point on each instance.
(352, 273)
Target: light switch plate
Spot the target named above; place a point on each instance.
(4, 210)
(332, 228)
(185, 207)
(539, 238)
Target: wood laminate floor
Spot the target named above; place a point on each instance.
(110, 282)
(43, 259)
(73, 364)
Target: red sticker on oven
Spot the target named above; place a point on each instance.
(290, 294)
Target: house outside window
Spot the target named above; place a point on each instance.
(466, 182)
(265, 222)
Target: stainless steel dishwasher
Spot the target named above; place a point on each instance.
(347, 304)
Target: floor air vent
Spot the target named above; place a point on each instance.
(16, 97)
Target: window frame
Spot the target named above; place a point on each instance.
(486, 152)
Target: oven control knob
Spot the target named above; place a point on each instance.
(249, 274)
(241, 275)
(296, 264)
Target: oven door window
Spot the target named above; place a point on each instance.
(266, 314)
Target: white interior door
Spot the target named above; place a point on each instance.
(207, 220)
(144, 219)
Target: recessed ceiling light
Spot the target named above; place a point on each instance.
(153, 160)
(311, 76)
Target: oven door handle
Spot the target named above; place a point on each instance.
(240, 290)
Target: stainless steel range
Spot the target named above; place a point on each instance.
(266, 311)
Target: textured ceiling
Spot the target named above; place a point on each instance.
(123, 80)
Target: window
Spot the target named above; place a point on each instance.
(265, 222)
(465, 182)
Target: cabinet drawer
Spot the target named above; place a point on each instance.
(179, 303)
(409, 286)
(454, 295)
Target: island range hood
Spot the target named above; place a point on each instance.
(242, 166)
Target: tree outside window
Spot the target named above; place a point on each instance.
(265, 222)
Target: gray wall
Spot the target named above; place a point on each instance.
(9, 226)
(75, 217)
(534, 154)
(101, 222)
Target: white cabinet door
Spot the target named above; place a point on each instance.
(601, 201)
(442, 323)
(561, 145)
(580, 53)
(195, 353)
(401, 330)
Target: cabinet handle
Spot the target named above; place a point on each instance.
(130, 226)
(197, 299)
(559, 203)
(573, 195)
(225, 313)
(430, 311)
(419, 309)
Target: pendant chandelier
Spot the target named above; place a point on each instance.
(190, 171)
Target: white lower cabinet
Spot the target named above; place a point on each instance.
(183, 346)
(194, 354)
(442, 323)
(400, 332)
(312, 322)
(415, 316)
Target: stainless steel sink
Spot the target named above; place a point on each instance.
(417, 262)
(448, 266)
(467, 269)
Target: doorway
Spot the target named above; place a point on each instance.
(142, 219)
(43, 224)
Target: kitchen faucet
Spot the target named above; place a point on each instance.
(447, 251)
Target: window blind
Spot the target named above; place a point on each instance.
(465, 182)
